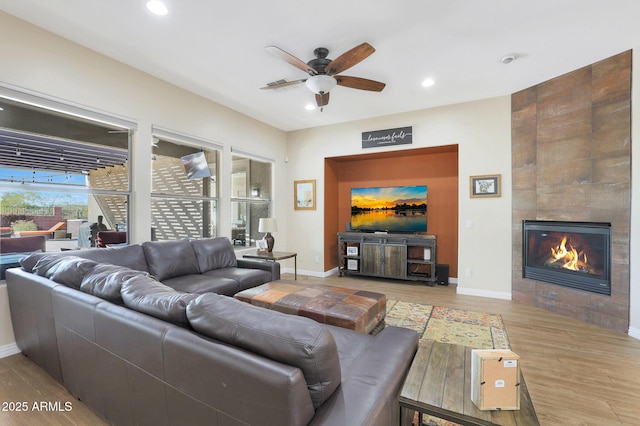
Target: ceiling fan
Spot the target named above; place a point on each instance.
(323, 72)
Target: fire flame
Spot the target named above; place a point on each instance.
(569, 258)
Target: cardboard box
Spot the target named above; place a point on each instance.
(495, 379)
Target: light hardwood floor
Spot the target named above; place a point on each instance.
(577, 373)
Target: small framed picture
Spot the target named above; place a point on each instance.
(304, 194)
(484, 186)
(352, 251)
(261, 245)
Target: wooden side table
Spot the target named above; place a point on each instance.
(274, 256)
(439, 384)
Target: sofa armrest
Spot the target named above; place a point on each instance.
(273, 267)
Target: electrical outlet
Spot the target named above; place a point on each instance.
(317, 259)
(467, 272)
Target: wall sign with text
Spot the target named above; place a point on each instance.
(399, 136)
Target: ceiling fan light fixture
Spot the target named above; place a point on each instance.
(157, 7)
(320, 84)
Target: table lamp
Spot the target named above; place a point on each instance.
(268, 225)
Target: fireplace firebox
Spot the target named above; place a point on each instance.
(571, 254)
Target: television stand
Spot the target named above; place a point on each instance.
(398, 256)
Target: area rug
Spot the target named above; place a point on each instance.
(478, 330)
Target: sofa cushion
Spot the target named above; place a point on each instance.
(131, 256)
(167, 259)
(67, 270)
(29, 262)
(244, 277)
(144, 294)
(292, 340)
(105, 281)
(203, 283)
(214, 253)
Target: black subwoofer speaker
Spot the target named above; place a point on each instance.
(442, 274)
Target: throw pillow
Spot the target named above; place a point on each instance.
(146, 295)
(290, 339)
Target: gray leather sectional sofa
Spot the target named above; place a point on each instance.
(111, 325)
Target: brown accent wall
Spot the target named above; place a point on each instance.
(435, 167)
(571, 160)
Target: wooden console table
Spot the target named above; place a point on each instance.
(439, 384)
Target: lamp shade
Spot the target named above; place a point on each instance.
(267, 224)
(320, 84)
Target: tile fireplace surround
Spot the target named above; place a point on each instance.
(571, 161)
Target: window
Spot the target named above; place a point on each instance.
(251, 193)
(184, 188)
(55, 167)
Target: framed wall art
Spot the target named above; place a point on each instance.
(304, 192)
(485, 186)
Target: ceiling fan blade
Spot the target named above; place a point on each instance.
(360, 83)
(281, 83)
(349, 59)
(298, 63)
(322, 100)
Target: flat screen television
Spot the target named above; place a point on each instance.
(395, 209)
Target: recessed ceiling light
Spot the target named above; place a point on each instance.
(157, 7)
(310, 107)
(508, 59)
(428, 82)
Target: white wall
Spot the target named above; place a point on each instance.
(482, 131)
(41, 62)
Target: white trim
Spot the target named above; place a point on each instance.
(316, 274)
(634, 332)
(8, 350)
(29, 97)
(483, 293)
(252, 156)
(195, 141)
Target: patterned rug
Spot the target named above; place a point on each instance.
(478, 330)
(449, 325)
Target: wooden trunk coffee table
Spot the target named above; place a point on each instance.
(358, 310)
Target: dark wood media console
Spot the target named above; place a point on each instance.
(399, 256)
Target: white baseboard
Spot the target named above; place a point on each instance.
(484, 293)
(311, 273)
(8, 350)
(634, 332)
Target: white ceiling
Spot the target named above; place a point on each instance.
(217, 49)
